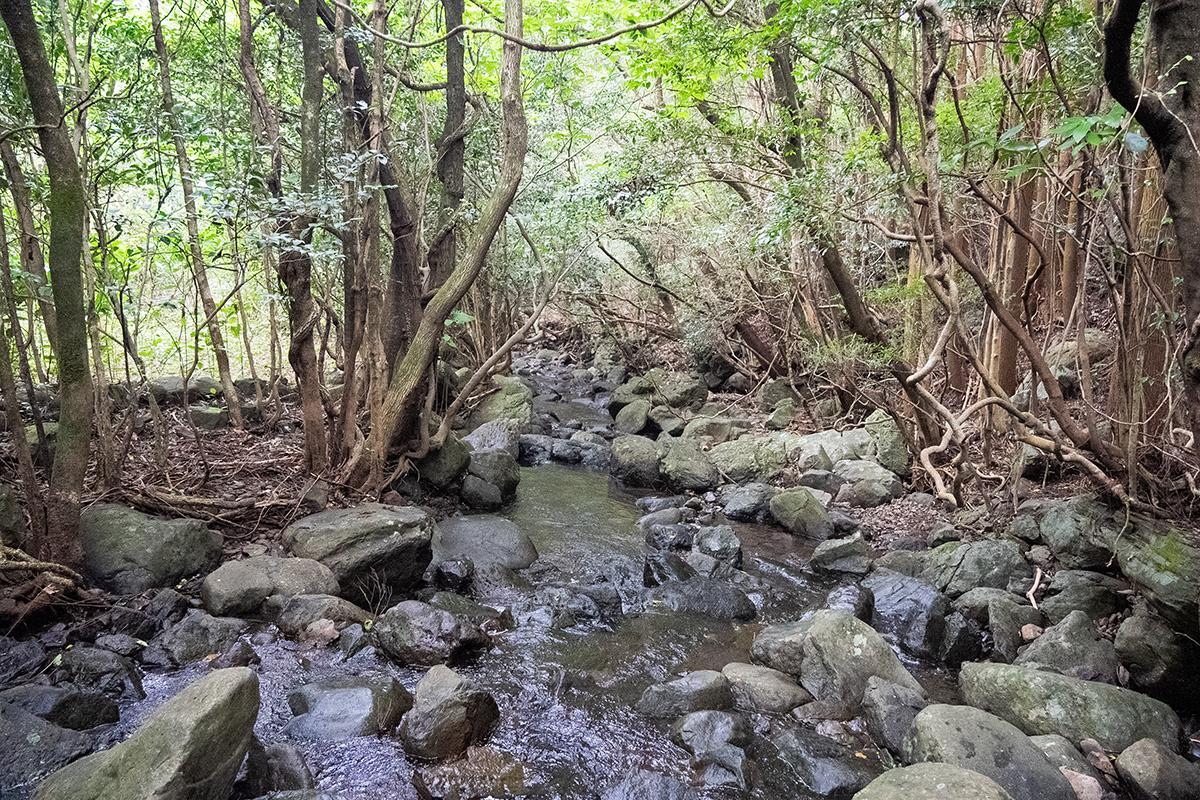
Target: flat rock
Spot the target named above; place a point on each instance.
(241, 587)
(346, 706)
(764, 689)
(485, 539)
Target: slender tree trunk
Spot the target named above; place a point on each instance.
(32, 260)
(195, 250)
(67, 208)
(452, 148)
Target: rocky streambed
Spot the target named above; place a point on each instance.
(726, 619)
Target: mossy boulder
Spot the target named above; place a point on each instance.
(126, 551)
(801, 513)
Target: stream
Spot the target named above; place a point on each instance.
(566, 695)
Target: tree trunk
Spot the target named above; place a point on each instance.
(452, 148)
(67, 208)
(32, 260)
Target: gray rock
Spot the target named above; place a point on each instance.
(975, 602)
(889, 711)
(750, 458)
(303, 610)
(957, 567)
(1074, 648)
(1041, 702)
(499, 434)
(33, 748)
(852, 599)
(272, 768)
(498, 468)
(962, 640)
(849, 555)
(369, 548)
(1073, 529)
(747, 503)
(694, 691)
(933, 782)
(822, 480)
(976, 740)
(686, 467)
(126, 551)
(170, 389)
(909, 611)
(535, 448)
(1006, 619)
(662, 566)
(713, 430)
(190, 748)
(632, 419)
(644, 785)
(1065, 756)
(676, 389)
(1161, 662)
(449, 714)
(208, 418)
(198, 635)
(19, 658)
(706, 596)
(481, 495)
(635, 461)
(867, 484)
(65, 705)
(800, 513)
(346, 706)
(100, 670)
(486, 540)
(775, 391)
(764, 689)
(1151, 772)
(241, 587)
(445, 465)
(413, 632)
(720, 542)
(782, 415)
(717, 742)
(888, 445)
(514, 401)
(1093, 593)
(823, 767)
(832, 654)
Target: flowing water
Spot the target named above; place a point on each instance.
(566, 696)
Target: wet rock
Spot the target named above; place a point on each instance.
(701, 690)
(962, 640)
(748, 503)
(369, 548)
(646, 785)
(33, 748)
(500, 434)
(679, 536)
(852, 599)
(849, 555)
(486, 618)
(303, 610)
(717, 741)
(347, 706)
(933, 782)
(662, 566)
(706, 596)
(720, 542)
(633, 418)
(1161, 662)
(192, 746)
(822, 766)
(483, 773)
(413, 632)
(481, 495)
(239, 588)
(764, 689)
(497, 468)
(65, 705)
(910, 611)
(832, 654)
(126, 551)
(442, 467)
(635, 461)
(535, 449)
(686, 467)
(239, 654)
(957, 567)
(1151, 772)
(975, 603)
(19, 658)
(454, 574)
(1073, 648)
(1041, 702)
(976, 740)
(663, 511)
(867, 484)
(1006, 619)
(198, 635)
(449, 714)
(485, 539)
(800, 513)
(275, 767)
(101, 670)
(1093, 593)
(889, 710)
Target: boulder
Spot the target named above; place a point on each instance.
(1007, 619)
(190, 748)
(823, 767)
(1163, 563)
(717, 742)
(909, 611)
(701, 690)
(19, 658)
(1073, 648)
(713, 430)
(748, 503)
(498, 468)
(412, 632)
(764, 689)
(370, 547)
(170, 389)
(1160, 661)
(706, 596)
(888, 445)
(499, 434)
(449, 714)
(641, 784)
(33, 748)
(1152, 772)
(198, 635)
(957, 567)
(976, 740)
(126, 551)
(444, 466)
(852, 599)
(346, 706)
(832, 654)
(208, 418)
(823, 449)
(802, 514)
(513, 401)
(782, 415)
(635, 461)
(633, 418)
(1075, 529)
(866, 483)
(933, 782)
(481, 495)
(242, 587)
(303, 610)
(1040, 702)
(889, 711)
(64, 705)
(485, 539)
(686, 467)
(775, 391)
(274, 768)
(1093, 593)
(849, 555)
(1065, 756)
(719, 542)
(677, 390)
(974, 603)
(750, 458)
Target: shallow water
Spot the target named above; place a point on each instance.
(565, 696)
